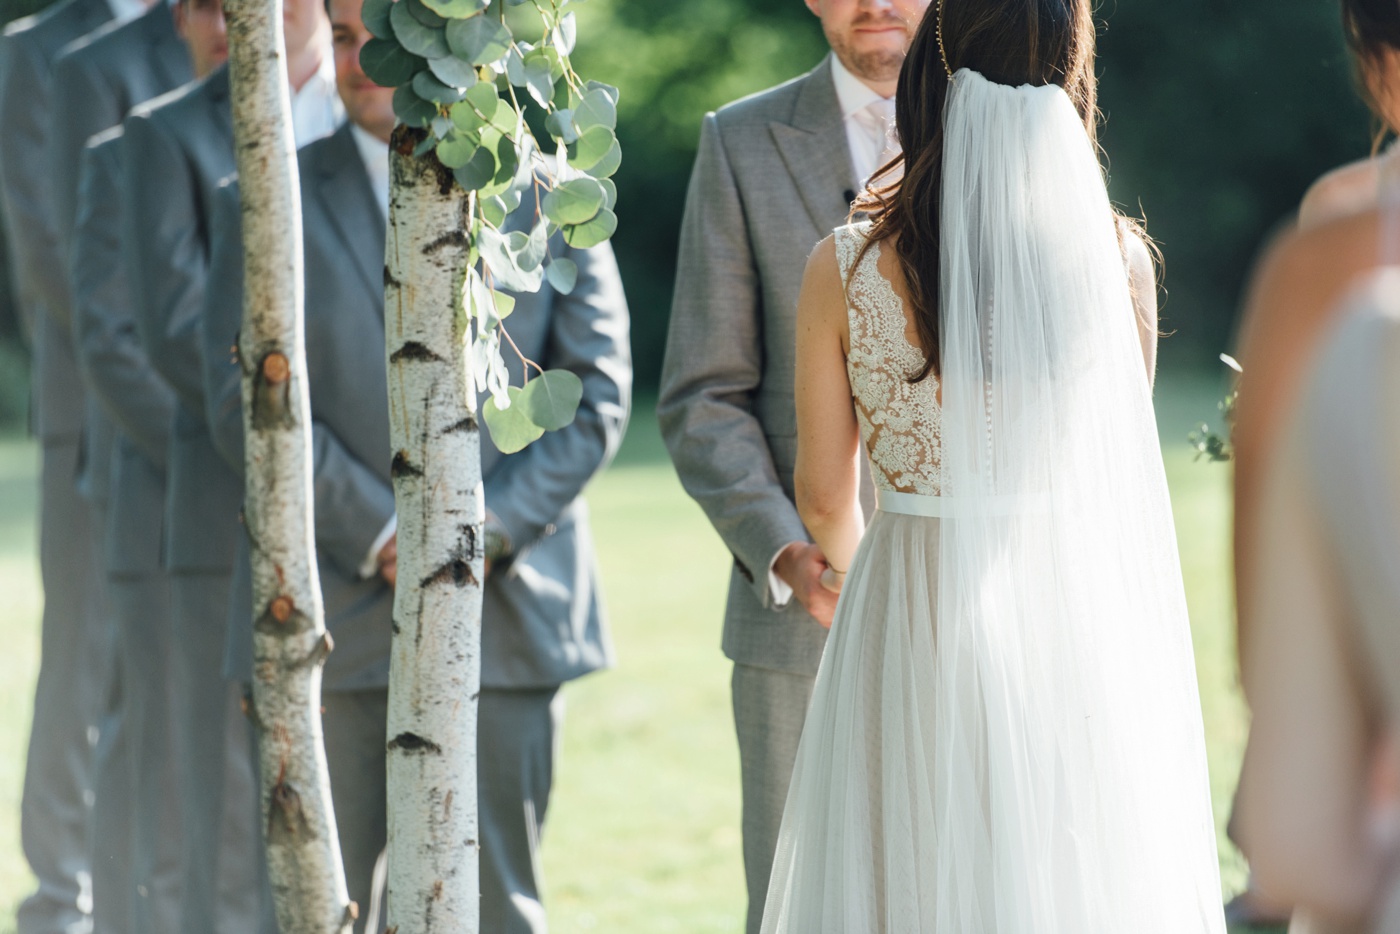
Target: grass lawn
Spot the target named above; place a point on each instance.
(643, 831)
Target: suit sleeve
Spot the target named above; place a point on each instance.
(24, 115)
(712, 369)
(589, 336)
(89, 107)
(352, 504)
(166, 254)
(109, 351)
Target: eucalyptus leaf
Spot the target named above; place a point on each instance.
(551, 399)
(607, 166)
(387, 64)
(504, 303)
(562, 275)
(507, 161)
(515, 67)
(566, 33)
(479, 39)
(539, 81)
(606, 88)
(592, 146)
(412, 109)
(421, 40)
(375, 14)
(560, 125)
(596, 110)
(494, 210)
(511, 429)
(506, 273)
(425, 146)
(532, 252)
(610, 187)
(478, 171)
(442, 126)
(453, 71)
(593, 232)
(456, 150)
(574, 202)
(456, 9)
(425, 15)
(431, 89)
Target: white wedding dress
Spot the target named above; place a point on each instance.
(1005, 735)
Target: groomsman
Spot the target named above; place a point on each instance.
(54, 815)
(98, 79)
(543, 619)
(775, 173)
(112, 71)
(177, 149)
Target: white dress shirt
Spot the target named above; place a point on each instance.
(374, 152)
(870, 133)
(316, 107)
(869, 122)
(124, 10)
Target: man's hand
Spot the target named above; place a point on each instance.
(801, 566)
(388, 560)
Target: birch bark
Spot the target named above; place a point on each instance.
(290, 642)
(435, 672)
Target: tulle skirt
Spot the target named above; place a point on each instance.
(952, 784)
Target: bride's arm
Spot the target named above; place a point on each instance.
(828, 439)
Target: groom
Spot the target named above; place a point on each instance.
(775, 173)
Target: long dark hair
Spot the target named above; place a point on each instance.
(1372, 29)
(1012, 42)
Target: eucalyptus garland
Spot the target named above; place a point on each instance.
(470, 78)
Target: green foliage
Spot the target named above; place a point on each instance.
(1205, 440)
(478, 76)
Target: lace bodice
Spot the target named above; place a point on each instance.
(900, 422)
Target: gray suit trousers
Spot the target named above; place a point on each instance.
(518, 734)
(114, 786)
(223, 889)
(770, 708)
(141, 607)
(54, 816)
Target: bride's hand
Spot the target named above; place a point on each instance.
(832, 579)
(802, 566)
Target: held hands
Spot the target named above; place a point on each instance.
(389, 561)
(813, 581)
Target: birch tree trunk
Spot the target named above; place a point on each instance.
(435, 672)
(290, 642)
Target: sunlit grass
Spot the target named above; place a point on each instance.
(643, 829)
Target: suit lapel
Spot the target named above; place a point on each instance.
(347, 199)
(814, 149)
(170, 57)
(222, 108)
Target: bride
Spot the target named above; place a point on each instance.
(1005, 735)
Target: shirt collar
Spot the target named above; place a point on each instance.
(124, 10)
(853, 94)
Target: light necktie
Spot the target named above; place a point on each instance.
(878, 119)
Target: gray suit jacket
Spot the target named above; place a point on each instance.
(543, 614)
(27, 54)
(135, 399)
(98, 78)
(178, 148)
(772, 177)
